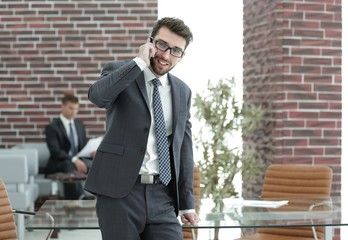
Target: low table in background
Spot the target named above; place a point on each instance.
(65, 178)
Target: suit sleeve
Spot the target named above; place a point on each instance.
(185, 183)
(115, 77)
(81, 132)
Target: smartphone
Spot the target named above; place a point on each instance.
(151, 41)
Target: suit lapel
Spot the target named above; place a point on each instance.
(79, 132)
(141, 84)
(175, 100)
(62, 128)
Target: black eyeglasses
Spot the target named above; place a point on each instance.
(163, 46)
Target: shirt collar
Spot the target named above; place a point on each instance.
(65, 120)
(149, 76)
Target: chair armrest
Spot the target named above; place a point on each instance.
(326, 202)
(46, 214)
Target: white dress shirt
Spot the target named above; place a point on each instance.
(150, 163)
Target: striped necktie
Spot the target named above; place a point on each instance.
(73, 149)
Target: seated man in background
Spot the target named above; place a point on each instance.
(65, 137)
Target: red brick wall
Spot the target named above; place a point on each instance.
(48, 48)
(292, 64)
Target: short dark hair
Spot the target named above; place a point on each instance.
(69, 98)
(175, 25)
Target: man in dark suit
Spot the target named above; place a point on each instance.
(65, 137)
(138, 198)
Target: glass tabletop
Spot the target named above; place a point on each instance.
(227, 213)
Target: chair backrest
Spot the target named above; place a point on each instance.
(197, 187)
(283, 180)
(43, 152)
(286, 181)
(7, 221)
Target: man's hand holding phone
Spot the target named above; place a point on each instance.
(147, 51)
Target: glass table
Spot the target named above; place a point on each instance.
(235, 213)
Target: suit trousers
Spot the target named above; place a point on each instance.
(146, 213)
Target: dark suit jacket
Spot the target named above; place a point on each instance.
(59, 145)
(121, 90)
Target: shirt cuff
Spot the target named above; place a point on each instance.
(140, 62)
(182, 212)
(74, 159)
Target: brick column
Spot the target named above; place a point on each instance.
(292, 65)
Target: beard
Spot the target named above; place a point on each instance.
(159, 71)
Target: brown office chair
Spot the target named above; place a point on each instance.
(187, 233)
(8, 230)
(291, 181)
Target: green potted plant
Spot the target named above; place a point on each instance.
(224, 122)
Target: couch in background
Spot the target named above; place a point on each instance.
(46, 186)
